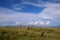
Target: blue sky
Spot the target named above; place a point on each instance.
(30, 12)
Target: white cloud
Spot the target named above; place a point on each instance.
(18, 23)
(38, 3)
(47, 23)
(16, 16)
(51, 11)
(38, 23)
(17, 6)
(42, 23)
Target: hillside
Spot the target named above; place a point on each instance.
(29, 33)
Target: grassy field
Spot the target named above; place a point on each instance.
(29, 33)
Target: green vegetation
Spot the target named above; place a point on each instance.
(29, 33)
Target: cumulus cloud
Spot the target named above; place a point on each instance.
(35, 23)
(47, 23)
(18, 23)
(39, 23)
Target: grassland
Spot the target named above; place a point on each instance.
(29, 33)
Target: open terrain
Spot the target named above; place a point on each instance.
(29, 33)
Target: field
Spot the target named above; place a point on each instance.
(29, 33)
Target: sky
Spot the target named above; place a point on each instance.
(30, 12)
